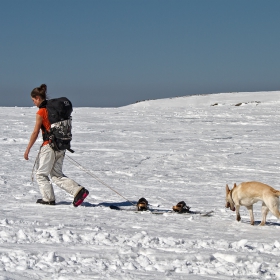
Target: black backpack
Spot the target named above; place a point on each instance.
(59, 114)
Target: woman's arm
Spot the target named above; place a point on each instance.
(34, 135)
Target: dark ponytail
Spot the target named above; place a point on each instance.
(40, 91)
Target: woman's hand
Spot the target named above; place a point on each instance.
(26, 154)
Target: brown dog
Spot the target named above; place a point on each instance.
(248, 193)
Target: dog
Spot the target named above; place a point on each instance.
(248, 193)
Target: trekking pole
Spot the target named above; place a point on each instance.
(96, 178)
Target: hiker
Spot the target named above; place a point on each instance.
(50, 161)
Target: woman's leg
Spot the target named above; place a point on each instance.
(60, 179)
(45, 165)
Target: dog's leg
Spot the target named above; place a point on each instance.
(238, 217)
(265, 210)
(250, 209)
(272, 203)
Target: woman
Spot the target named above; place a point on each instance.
(49, 161)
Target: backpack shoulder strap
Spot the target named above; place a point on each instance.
(43, 104)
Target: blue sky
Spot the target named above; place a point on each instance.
(107, 53)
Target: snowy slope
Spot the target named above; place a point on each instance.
(167, 150)
(212, 99)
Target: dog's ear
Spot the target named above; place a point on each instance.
(234, 185)
(227, 189)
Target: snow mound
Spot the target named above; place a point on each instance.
(234, 98)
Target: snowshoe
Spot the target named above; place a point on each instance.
(181, 207)
(142, 204)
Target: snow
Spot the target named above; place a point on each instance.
(169, 150)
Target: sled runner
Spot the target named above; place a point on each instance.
(181, 208)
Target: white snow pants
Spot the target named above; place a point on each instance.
(50, 164)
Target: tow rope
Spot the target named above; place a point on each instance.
(96, 178)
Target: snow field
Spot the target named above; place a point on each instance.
(166, 151)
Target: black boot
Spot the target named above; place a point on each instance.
(79, 198)
(41, 201)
